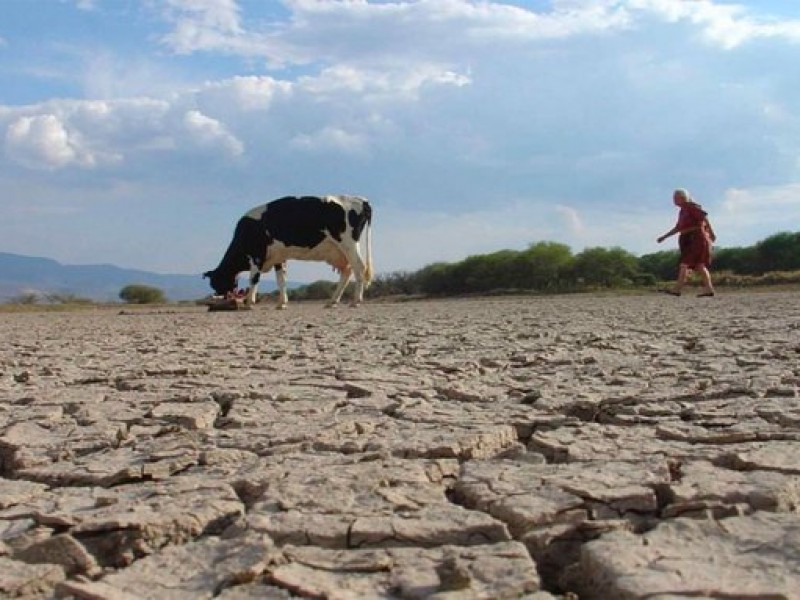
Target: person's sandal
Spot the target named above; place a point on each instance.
(670, 292)
(705, 295)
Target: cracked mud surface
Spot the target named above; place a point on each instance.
(590, 446)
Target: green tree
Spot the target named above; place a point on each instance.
(543, 266)
(484, 272)
(142, 294)
(397, 283)
(26, 298)
(318, 290)
(550, 266)
(742, 261)
(605, 267)
(779, 252)
(438, 279)
(662, 265)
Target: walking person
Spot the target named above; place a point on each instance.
(695, 237)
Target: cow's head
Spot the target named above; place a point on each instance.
(221, 281)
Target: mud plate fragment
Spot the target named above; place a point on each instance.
(228, 304)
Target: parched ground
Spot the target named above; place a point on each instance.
(591, 446)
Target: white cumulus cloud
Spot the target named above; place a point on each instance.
(202, 24)
(210, 133)
(572, 219)
(377, 32)
(367, 84)
(85, 4)
(331, 138)
(726, 25)
(43, 142)
(246, 93)
(748, 213)
(774, 201)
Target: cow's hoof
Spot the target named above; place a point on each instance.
(280, 307)
(331, 305)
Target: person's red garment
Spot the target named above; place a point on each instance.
(694, 245)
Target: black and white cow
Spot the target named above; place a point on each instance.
(323, 228)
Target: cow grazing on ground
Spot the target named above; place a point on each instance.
(320, 228)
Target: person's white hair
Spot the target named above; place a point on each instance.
(683, 193)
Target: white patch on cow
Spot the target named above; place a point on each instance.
(328, 251)
(257, 212)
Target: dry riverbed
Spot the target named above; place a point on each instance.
(591, 446)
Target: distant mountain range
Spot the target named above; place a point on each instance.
(42, 276)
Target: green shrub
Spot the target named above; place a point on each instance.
(142, 294)
(25, 299)
(67, 298)
(318, 290)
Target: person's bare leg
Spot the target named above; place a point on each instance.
(708, 287)
(683, 274)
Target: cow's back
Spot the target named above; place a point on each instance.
(306, 221)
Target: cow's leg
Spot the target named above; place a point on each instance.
(360, 272)
(280, 277)
(344, 278)
(255, 277)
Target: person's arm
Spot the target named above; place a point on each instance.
(671, 232)
(675, 230)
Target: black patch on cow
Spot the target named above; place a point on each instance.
(358, 220)
(304, 221)
(249, 243)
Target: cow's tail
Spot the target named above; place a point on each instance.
(368, 272)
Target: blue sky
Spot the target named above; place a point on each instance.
(137, 132)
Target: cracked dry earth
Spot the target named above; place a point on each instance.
(581, 446)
